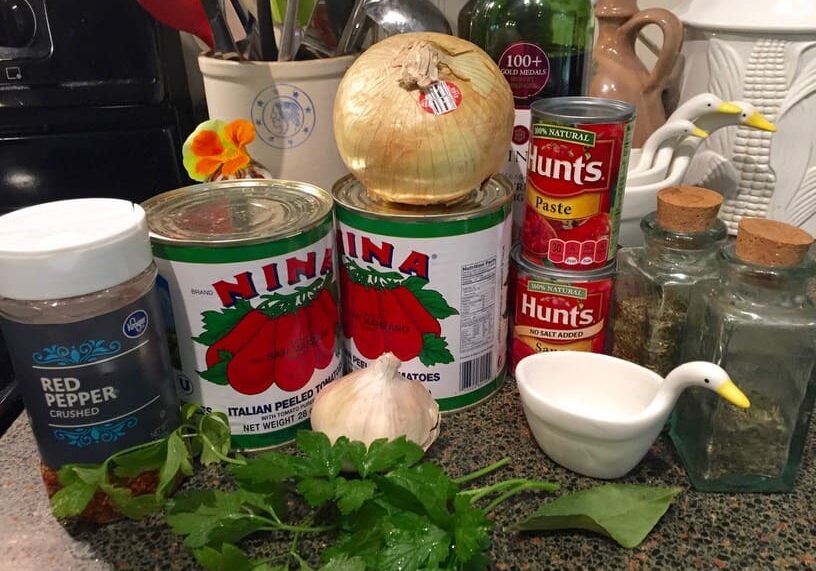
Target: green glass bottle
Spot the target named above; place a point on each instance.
(463, 21)
(544, 49)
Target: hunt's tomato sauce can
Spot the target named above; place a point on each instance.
(428, 284)
(247, 269)
(576, 174)
(558, 310)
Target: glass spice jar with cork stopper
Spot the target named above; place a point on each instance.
(655, 281)
(758, 322)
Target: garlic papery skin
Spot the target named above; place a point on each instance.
(377, 402)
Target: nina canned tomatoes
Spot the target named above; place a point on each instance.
(247, 267)
(558, 310)
(429, 284)
(576, 174)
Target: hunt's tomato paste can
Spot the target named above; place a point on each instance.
(429, 284)
(247, 270)
(576, 174)
(558, 310)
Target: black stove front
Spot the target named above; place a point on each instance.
(93, 102)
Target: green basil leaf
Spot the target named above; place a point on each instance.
(316, 491)
(189, 410)
(471, 530)
(134, 507)
(430, 486)
(384, 456)
(268, 467)
(177, 460)
(414, 543)
(214, 431)
(94, 474)
(319, 458)
(72, 499)
(344, 563)
(229, 558)
(151, 457)
(212, 517)
(352, 494)
(624, 512)
(362, 534)
(354, 453)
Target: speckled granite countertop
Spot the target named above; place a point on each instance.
(700, 531)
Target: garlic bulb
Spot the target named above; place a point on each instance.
(423, 118)
(377, 402)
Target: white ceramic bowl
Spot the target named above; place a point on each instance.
(588, 412)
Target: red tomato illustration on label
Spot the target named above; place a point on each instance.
(595, 227)
(282, 341)
(252, 370)
(240, 335)
(537, 232)
(322, 316)
(397, 314)
(294, 354)
(401, 336)
(424, 321)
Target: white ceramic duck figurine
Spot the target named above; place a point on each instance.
(598, 415)
(665, 137)
(693, 374)
(674, 171)
(696, 108)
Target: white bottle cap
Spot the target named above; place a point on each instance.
(71, 247)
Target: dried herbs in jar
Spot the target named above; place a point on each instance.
(655, 281)
(757, 321)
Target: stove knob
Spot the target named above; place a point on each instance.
(17, 23)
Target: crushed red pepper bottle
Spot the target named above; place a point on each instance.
(84, 328)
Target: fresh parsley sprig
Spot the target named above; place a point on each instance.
(387, 510)
(200, 435)
(380, 506)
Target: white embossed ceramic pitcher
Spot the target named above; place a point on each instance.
(763, 52)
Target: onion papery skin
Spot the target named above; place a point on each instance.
(402, 153)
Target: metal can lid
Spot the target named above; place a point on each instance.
(560, 274)
(584, 110)
(493, 194)
(236, 212)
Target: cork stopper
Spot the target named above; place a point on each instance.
(687, 208)
(771, 243)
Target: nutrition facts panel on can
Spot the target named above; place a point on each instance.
(478, 306)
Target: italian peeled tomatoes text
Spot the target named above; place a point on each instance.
(281, 413)
(422, 377)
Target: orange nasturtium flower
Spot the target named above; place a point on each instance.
(217, 147)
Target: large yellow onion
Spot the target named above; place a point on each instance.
(402, 151)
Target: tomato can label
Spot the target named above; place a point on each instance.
(430, 288)
(576, 173)
(556, 310)
(256, 323)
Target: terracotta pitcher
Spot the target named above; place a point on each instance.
(617, 71)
